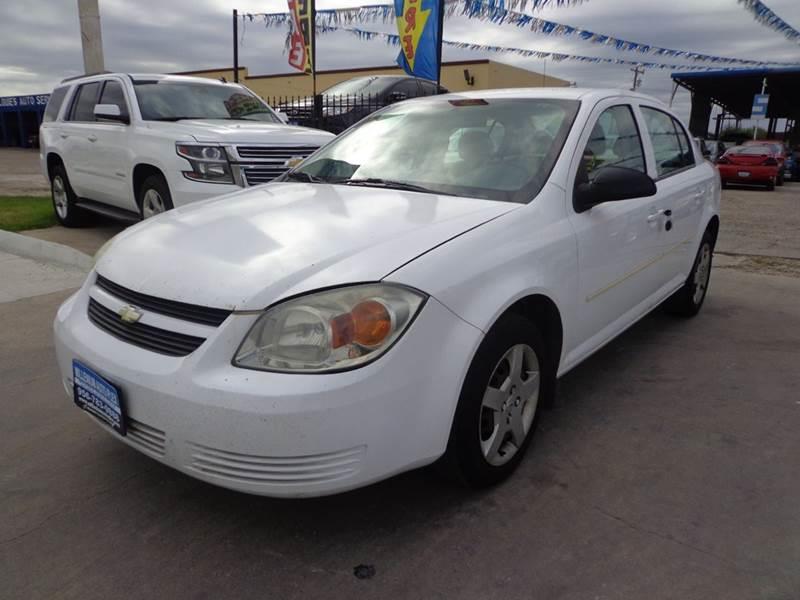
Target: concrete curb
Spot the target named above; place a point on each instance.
(44, 251)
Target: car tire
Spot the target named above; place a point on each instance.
(64, 199)
(770, 185)
(724, 184)
(779, 180)
(494, 421)
(688, 300)
(154, 197)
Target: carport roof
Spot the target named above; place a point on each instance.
(733, 89)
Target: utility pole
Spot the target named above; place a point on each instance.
(637, 71)
(91, 37)
(235, 46)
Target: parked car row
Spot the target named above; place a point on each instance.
(756, 162)
(409, 293)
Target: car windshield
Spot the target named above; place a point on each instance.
(495, 149)
(173, 101)
(360, 85)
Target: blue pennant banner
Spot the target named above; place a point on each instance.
(763, 14)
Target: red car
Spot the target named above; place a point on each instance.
(781, 153)
(751, 164)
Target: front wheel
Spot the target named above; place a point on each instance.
(510, 378)
(154, 197)
(688, 300)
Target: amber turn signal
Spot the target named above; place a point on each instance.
(368, 324)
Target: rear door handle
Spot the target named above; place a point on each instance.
(92, 138)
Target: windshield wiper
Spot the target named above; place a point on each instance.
(388, 184)
(175, 118)
(302, 176)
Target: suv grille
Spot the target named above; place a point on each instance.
(144, 336)
(274, 153)
(170, 308)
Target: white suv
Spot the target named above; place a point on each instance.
(132, 146)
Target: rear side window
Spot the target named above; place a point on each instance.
(113, 94)
(686, 146)
(54, 104)
(84, 103)
(669, 152)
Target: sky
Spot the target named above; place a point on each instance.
(40, 40)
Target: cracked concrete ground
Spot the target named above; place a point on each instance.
(667, 469)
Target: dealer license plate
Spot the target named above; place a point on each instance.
(98, 396)
(744, 173)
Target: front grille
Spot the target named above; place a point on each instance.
(170, 308)
(256, 175)
(275, 153)
(144, 336)
(290, 470)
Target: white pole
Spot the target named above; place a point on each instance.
(91, 37)
(763, 89)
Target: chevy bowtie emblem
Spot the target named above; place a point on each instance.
(129, 314)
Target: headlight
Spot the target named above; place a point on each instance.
(209, 163)
(331, 330)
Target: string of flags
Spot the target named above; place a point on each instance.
(496, 12)
(763, 14)
(394, 40)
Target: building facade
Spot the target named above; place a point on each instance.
(457, 76)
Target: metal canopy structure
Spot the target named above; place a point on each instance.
(733, 91)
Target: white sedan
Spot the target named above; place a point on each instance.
(411, 292)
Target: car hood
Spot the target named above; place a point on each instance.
(248, 249)
(236, 132)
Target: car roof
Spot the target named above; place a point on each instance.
(563, 93)
(144, 77)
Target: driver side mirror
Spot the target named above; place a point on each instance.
(110, 112)
(612, 184)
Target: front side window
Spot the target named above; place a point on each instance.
(84, 103)
(499, 149)
(667, 149)
(113, 94)
(614, 142)
(164, 100)
(54, 104)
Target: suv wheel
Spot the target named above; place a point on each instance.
(67, 214)
(154, 197)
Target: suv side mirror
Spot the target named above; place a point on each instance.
(612, 184)
(397, 96)
(110, 112)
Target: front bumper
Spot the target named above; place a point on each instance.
(279, 434)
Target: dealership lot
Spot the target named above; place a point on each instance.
(665, 470)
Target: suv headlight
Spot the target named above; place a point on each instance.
(209, 163)
(331, 330)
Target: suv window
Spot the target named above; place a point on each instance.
(428, 88)
(54, 104)
(113, 94)
(669, 154)
(614, 141)
(84, 103)
(408, 87)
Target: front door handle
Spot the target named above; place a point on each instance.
(92, 138)
(661, 212)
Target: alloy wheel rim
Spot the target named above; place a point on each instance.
(702, 274)
(509, 404)
(60, 197)
(152, 204)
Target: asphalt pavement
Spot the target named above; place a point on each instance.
(667, 469)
